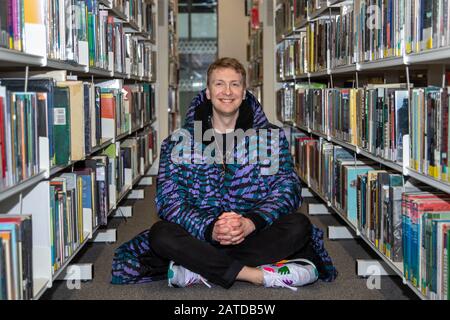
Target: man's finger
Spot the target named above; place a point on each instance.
(237, 232)
(220, 222)
(224, 238)
(227, 215)
(224, 229)
(235, 222)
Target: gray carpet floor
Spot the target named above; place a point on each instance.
(347, 286)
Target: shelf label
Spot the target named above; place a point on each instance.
(111, 61)
(83, 53)
(127, 66)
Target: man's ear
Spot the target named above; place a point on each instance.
(208, 94)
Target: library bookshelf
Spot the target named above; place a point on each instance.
(306, 43)
(124, 74)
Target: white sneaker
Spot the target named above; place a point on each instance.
(180, 277)
(289, 275)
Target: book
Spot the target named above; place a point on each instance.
(3, 293)
(24, 239)
(351, 173)
(61, 126)
(76, 118)
(9, 285)
(45, 90)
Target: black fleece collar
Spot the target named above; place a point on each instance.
(204, 113)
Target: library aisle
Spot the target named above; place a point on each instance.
(347, 286)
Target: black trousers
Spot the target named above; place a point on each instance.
(289, 237)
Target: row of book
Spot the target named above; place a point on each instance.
(71, 209)
(283, 19)
(255, 45)
(376, 119)
(41, 128)
(326, 43)
(255, 58)
(291, 58)
(82, 199)
(364, 31)
(139, 12)
(255, 72)
(400, 27)
(329, 41)
(77, 31)
(257, 91)
(406, 221)
(16, 264)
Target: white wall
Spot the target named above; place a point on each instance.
(233, 30)
(233, 39)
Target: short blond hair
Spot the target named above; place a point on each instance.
(225, 63)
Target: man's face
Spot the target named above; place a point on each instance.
(225, 90)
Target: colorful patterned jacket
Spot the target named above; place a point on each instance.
(194, 195)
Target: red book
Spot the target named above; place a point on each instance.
(255, 17)
(108, 105)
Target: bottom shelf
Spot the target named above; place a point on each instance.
(153, 171)
(397, 267)
(39, 287)
(69, 259)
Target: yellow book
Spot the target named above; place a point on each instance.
(433, 171)
(32, 11)
(353, 120)
(34, 29)
(311, 48)
(408, 47)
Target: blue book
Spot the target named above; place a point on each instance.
(339, 153)
(401, 121)
(87, 191)
(86, 200)
(53, 227)
(24, 239)
(415, 238)
(406, 222)
(3, 294)
(362, 185)
(352, 173)
(12, 229)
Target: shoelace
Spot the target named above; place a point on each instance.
(192, 276)
(280, 283)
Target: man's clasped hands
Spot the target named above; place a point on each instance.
(232, 228)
